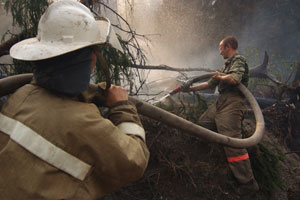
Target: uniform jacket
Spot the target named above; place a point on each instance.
(237, 67)
(115, 157)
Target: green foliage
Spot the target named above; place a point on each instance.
(169, 108)
(264, 161)
(26, 14)
(265, 168)
(278, 66)
(282, 69)
(118, 65)
(193, 112)
(254, 58)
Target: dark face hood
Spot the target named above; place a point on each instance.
(68, 74)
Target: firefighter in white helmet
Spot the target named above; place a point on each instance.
(54, 143)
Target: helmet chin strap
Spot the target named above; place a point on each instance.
(105, 69)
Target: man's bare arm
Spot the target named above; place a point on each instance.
(201, 86)
(225, 78)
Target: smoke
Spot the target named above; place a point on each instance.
(177, 37)
(275, 28)
(187, 33)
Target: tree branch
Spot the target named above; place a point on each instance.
(168, 68)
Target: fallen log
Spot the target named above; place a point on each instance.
(262, 72)
(256, 72)
(168, 68)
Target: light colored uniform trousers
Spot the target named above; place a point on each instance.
(225, 117)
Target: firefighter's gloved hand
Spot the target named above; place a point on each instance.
(95, 94)
(110, 96)
(185, 87)
(115, 94)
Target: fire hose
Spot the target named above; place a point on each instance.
(10, 84)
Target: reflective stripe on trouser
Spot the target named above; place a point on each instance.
(42, 148)
(239, 164)
(225, 116)
(238, 158)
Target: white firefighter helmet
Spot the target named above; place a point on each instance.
(66, 26)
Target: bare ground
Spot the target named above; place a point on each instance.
(186, 168)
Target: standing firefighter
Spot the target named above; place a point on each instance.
(225, 115)
(54, 144)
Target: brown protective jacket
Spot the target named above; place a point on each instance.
(78, 128)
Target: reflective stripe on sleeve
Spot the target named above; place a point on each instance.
(42, 148)
(132, 129)
(238, 158)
